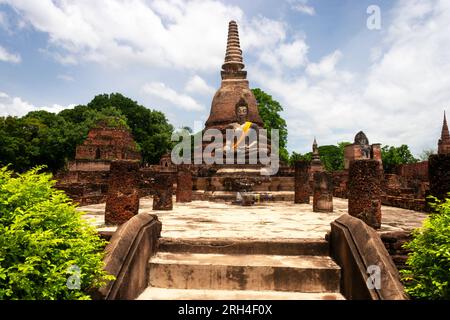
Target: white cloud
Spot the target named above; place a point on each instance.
(161, 91)
(326, 66)
(16, 106)
(65, 77)
(398, 99)
(302, 6)
(5, 56)
(196, 84)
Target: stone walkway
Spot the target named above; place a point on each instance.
(269, 221)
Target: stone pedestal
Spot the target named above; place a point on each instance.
(184, 186)
(302, 189)
(439, 173)
(323, 192)
(162, 197)
(364, 191)
(122, 200)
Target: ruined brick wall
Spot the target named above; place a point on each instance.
(439, 173)
(364, 191)
(108, 144)
(163, 191)
(122, 201)
(394, 241)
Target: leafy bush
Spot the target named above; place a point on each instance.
(44, 240)
(429, 261)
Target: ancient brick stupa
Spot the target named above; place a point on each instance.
(234, 106)
(444, 141)
(234, 102)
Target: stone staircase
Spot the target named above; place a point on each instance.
(208, 269)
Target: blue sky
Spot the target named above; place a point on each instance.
(331, 73)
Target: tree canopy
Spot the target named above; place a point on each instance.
(44, 138)
(269, 110)
(332, 156)
(394, 156)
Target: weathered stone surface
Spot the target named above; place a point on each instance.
(439, 172)
(323, 192)
(356, 247)
(122, 201)
(127, 257)
(184, 186)
(364, 196)
(302, 189)
(163, 191)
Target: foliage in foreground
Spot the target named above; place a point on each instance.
(429, 275)
(43, 242)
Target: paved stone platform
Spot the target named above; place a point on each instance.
(273, 220)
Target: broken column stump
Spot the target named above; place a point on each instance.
(163, 191)
(122, 200)
(364, 191)
(323, 192)
(184, 186)
(439, 173)
(302, 189)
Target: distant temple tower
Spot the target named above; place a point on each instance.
(444, 141)
(234, 102)
(316, 163)
(361, 149)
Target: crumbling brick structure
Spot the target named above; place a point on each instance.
(361, 149)
(439, 172)
(163, 191)
(323, 192)
(184, 186)
(122, 201)
(302, 188)
(364, 196)
(86, 179)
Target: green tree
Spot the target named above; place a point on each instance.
(299, 157)
(394, 156)
(43, 238)
(428, 276)
(269, 110)
(150, 129)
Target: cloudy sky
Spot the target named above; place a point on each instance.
(318, 58)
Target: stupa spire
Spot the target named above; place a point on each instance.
(315, 154)
(234, 63)
(445, 135)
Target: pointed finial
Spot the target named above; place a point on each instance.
(234, 63)
(445, 135)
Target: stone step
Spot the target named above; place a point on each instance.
(286, 247)
(310, 274)
(152, 293)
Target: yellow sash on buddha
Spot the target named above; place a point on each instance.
(245, 129)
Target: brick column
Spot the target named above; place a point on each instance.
(302, 190)
(364, 191)
(163, 191)
(184, 186)
(122, 200)
(439, 173)
(323, 192)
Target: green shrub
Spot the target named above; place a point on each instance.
(429, 260)
(44, 242)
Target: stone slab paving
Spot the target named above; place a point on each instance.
(275, 220)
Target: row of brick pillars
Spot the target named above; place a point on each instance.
(122, 202)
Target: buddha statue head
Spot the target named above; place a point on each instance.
(241, 111)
